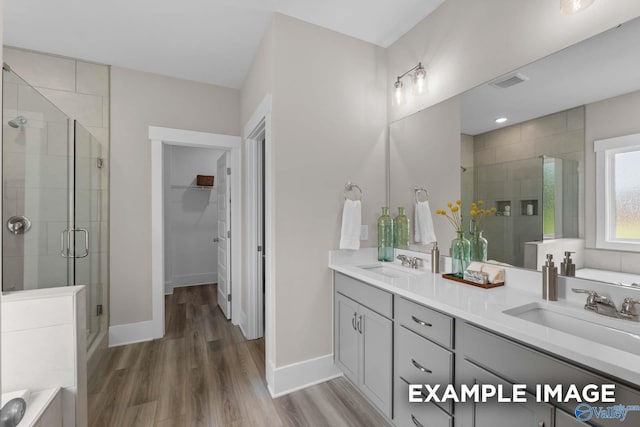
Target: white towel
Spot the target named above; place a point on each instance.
(424, 231)
(351, 224)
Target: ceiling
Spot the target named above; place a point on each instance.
(601, 67)
(212, 41)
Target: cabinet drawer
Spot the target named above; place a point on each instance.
(424, 414)
(367, 295)
(422, 362)
(523, 365)
(429, 323)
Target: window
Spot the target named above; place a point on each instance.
(618, 193)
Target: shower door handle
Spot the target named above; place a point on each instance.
(64, 249)
(86, 242)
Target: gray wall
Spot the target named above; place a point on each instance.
(325, 133)
(140, 100)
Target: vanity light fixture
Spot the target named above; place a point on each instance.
(569, 7)
(419, 82)
(501, 120)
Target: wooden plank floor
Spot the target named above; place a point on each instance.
(204, 373)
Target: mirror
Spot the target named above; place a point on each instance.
(537, 168)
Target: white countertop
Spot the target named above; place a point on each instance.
(484, 307)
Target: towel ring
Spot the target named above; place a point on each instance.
(419, 193)
(352, 191)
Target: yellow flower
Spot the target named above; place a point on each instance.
(449, 204)
(473, 212)
(437, 211)
(454, 209)
(493, 210)
(473, 206)
(480, 202)
(458, 202)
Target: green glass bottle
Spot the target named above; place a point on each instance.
(401, 230)
(385, 236)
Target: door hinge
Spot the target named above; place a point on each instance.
(229, 297)
(229, 234)
(99, 310)
(228, 171)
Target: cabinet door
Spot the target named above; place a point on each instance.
(347, 336)
(493, 414)
(376, 340)
(565, 420)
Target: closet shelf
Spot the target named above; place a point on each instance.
(195, 187)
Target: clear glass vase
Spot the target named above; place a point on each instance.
(385, 236)
(460, 254)
(478, 247)
(401, 230)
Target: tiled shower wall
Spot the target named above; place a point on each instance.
(35, 177)
(508, 168)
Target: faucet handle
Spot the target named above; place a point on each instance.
(584, 291)
(627, 308)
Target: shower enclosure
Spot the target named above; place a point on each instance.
(54, 200)
(535, 199)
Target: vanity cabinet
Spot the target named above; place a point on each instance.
(520, 364)
(364, 339)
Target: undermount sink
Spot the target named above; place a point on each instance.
(621, 334)
(392, 271)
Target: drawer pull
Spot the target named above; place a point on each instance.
(416, 422)
(360, 324)
(353, 321)
(420, 322)
(420, 367)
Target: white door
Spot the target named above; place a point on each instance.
(224, 235)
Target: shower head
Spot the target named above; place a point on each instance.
(18, 121)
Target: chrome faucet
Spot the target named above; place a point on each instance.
(411, 262)
(598, 303)
(626, 312)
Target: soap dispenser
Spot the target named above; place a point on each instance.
(567, 267)
(550, 280)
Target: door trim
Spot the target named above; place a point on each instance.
(259, 123)
(159, 137)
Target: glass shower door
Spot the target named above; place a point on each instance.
(36, 189)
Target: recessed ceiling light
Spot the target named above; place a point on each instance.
(569, 7)
(501, 120)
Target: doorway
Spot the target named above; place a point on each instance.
(196, 220)
(161, 138)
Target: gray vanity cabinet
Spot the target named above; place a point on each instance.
(526, 414)
(364, 339)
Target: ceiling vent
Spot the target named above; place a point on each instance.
(510, 80)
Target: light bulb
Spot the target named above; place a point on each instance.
(572, 6)
(501, 120)
(399, 92)
(420, 79)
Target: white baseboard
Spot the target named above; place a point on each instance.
(131, 333)
(182, 280)
(290, 378)
(242, 323)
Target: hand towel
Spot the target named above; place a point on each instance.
(496, 274)
(351, 224)
(424, 231)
